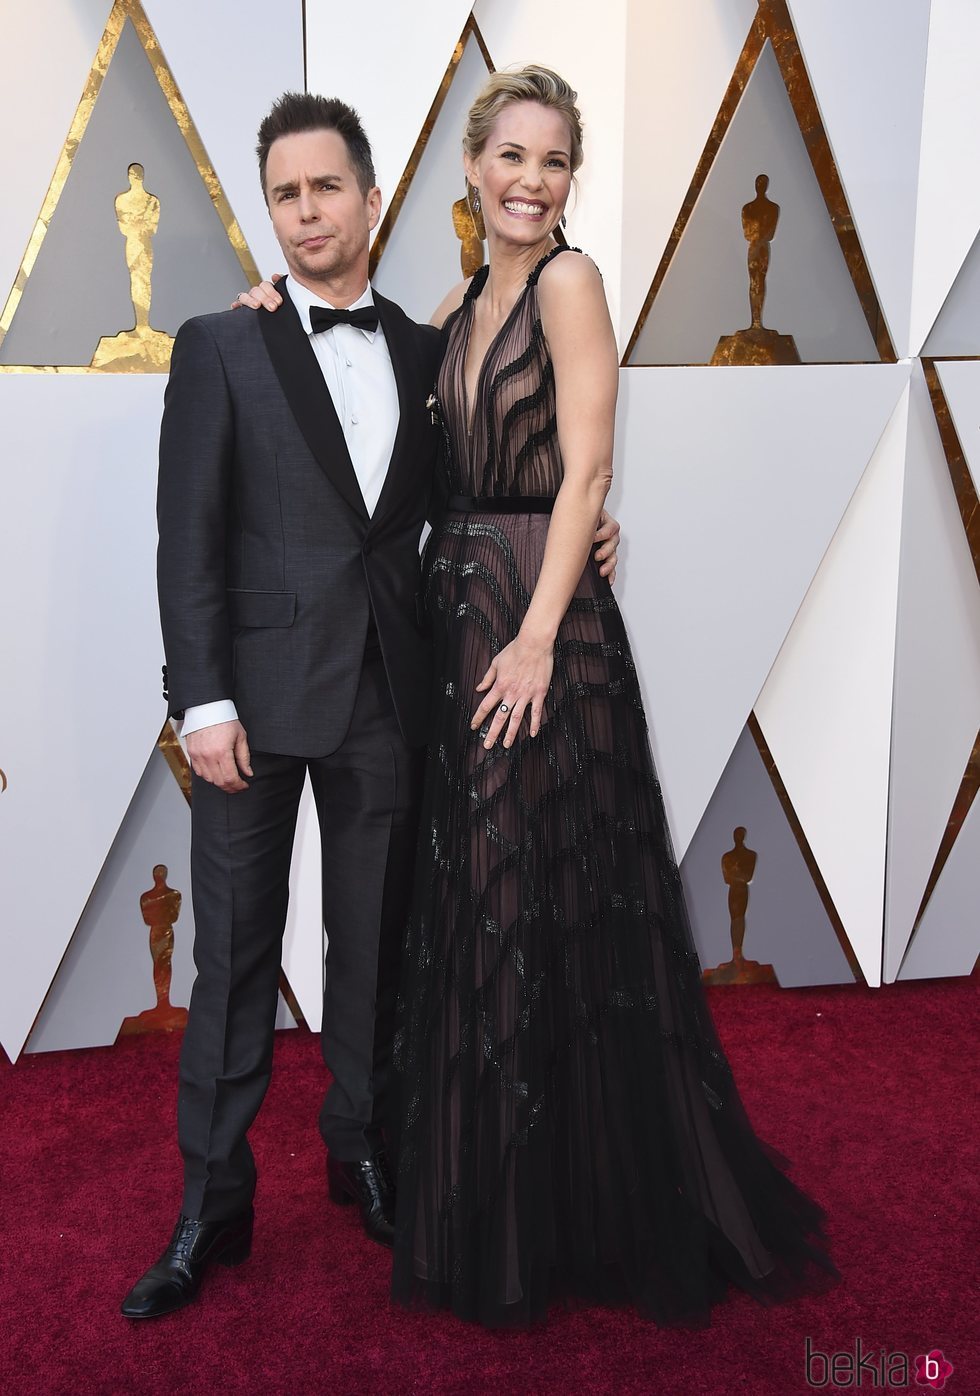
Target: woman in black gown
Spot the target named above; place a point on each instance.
(571, 1128)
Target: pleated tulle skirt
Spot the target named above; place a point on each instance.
(570, 1126)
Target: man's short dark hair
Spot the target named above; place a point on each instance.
(296, 112)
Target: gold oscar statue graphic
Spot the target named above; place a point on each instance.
(160, 907)
(757, 345)
(468, 224)
(738, 870)
(138, 216)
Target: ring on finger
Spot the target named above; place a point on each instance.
(504, 708)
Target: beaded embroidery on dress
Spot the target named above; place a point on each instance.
(571, 1129)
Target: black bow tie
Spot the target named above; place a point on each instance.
(364, 318)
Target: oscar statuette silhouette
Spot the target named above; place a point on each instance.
(160, 907)
(738, 869)
(756, 344)
(138, 216)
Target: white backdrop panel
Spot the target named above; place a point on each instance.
(387, 62)
(57, 39)
(937, 669)
(867, 66)
(826, 705)
(228, 94)
(948, 210)
(731, 483)
(81, 707)
(303, 944)
(679, 59)
(588, 47)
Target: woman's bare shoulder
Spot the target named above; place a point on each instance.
(571, 294)
(571, 272)
(450, 303)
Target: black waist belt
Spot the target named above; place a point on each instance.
(501, 504)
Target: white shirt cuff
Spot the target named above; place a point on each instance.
(208, 715)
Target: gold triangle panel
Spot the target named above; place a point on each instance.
(144, 350)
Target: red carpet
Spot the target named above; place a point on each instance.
(873, 1095)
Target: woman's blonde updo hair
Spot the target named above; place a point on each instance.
(529, 84)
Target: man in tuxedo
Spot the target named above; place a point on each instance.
(297, 460)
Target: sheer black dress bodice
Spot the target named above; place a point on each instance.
(571, 1128)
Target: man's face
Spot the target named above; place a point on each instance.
(320, 217)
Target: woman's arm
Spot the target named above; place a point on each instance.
(576, 324)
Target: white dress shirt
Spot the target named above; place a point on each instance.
(356, 368)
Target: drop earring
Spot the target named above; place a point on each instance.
(476, 201)
(564, 220)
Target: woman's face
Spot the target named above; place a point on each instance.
(523, 173)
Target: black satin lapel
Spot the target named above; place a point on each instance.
(309, 399)
(406, 378)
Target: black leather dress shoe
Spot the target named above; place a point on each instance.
(370, 1184)
(177, 1275)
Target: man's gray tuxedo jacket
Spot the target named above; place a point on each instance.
(268, 563)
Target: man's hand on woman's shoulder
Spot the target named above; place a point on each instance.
(261, 297)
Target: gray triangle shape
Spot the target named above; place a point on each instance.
(956, 332)
(420, 262)
(810, 294)
(78, 289)
(946, 941)
(106, 974)
(786, 923)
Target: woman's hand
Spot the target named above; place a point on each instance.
(264, 296)
(515, 683)
(607, 555)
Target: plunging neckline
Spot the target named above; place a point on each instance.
(473, 296)
(473, 293)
